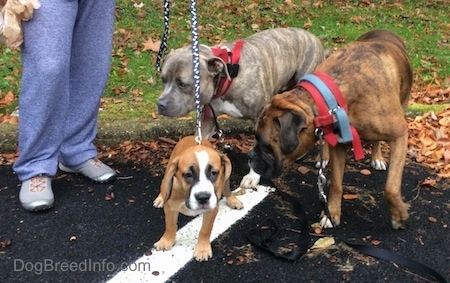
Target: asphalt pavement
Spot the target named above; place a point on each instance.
(95, 230)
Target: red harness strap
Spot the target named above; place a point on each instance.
(232, 61)
(325, 119)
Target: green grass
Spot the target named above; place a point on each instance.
(425, 25)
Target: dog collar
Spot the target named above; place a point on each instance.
(231, 59)
(332, 116)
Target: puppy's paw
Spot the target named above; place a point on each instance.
(158, 202)
(164, 244)
(234, 203)
(379, 164)
(251, 180)
(203, 252)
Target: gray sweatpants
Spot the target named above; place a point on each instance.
(66, 58)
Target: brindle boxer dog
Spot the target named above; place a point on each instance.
(195, 179)
(375, 76)
(271, 61)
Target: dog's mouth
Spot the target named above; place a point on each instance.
(201, 201)
(264, 163)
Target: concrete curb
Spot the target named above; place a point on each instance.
(114, 132)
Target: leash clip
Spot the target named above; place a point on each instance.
(321, 183)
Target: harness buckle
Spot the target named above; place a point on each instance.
(334, 110)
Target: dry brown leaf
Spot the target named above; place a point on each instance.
(429, 182)
(432, 219)
(308, 24)
(349, 196)
(323, 243)
(149, 45)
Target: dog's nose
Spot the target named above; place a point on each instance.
(202, 197)
(161, 107)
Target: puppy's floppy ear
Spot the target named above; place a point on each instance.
(217, 66)
(226, 164)
(167, 181)
(290, 126)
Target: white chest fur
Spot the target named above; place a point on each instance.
(225, 107)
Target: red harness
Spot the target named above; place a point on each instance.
(326, 118)
(232, 61)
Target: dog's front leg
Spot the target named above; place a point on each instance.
(397, 208)
(337, 162)
(203, 250)
(167, 240)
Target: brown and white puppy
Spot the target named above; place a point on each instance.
(374, 74)
(271, 61)
(194, 181)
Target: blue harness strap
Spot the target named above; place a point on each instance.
(339, 113)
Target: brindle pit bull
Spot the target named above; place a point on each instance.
(375, 76)
(271, 61)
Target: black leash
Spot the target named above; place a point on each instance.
(264, 235)
(366, 248)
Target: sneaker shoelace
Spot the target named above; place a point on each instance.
(38, 184)
(96, 162)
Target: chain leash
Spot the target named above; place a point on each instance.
(321, 179)
(196, 68)
(195, 58)
(163, 47)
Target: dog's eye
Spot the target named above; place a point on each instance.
(188, 176)
(181, 84)
(213, 174)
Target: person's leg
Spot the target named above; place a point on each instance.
(89, 70)
(44, 98)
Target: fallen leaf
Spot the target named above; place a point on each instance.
(429, 182)
(375, 242)
(8, 99)
(432, 219)
(323, 243)
(149, 45)
(349, 196)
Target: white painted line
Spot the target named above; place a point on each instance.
(161, 265)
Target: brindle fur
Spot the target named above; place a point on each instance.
(375, 76)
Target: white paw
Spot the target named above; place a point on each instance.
(324, 164)
(325, 222)
(158, 202)
(251, 180)
(379, 164)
